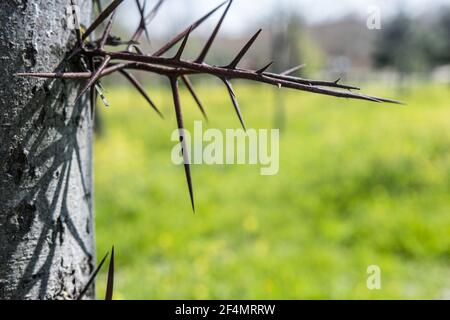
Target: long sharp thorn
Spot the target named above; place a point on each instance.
(183, 46)
(144, 26)
(234, 100)
(154, 11)
(93, 96)
(93, 93)
(243, 51)
(190, 87)
(97, 74)
(145, 20)
(211, 39)
(107, 31)
(92, 278)
(74, 53)
(110, 283)
(292, 70)
(56, 75)
(141, 90)
(169, 45)
(185, 151)
(102, 16)
(263, 69)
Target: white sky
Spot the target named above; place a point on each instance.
(246, 13)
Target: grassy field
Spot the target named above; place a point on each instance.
(359, 184)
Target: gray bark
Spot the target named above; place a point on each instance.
(46, 218)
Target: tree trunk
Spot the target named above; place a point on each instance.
(46, 215)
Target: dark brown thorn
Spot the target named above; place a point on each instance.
(56, 75)
(75, 51)
(78, 75)
(211, 39)
(243, 51)
(141, 90)
(93, 93)
(169, 45)
(110, 284)
(77, 24)
(183, 46)
(107, 31)
(331, 84)
(234, 100)
(92, 278)
(147, 34)
(154, 11)
(96, 75)
(263, 69)
(143, 25)
(190, 87)
(102, 17)
(185, 151)
(292, 70)
(145, 20)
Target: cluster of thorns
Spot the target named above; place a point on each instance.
(97, 62)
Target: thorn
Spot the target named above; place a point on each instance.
(337, 81)
(190, 87)
(107, 31)
(262, 70)
(210, 41)
(74, 53)
(235, 103)
(102, 16)
(141, 90)
(142, 25)
(180, 36)
(243, 51)
(183, 46)
(97, 74)
(110, 283)
(93, 96)
(92, 278)
(179, 115)
(56, 75)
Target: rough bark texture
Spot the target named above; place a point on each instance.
(46, 226)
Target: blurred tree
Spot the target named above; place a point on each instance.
(442, 53)
(401, 47)
(286, 33)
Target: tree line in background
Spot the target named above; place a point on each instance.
(410, 45)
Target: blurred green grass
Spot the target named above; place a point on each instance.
(359, 184)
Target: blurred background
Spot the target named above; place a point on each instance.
(360, 184)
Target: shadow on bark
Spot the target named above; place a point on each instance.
(32, 172)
